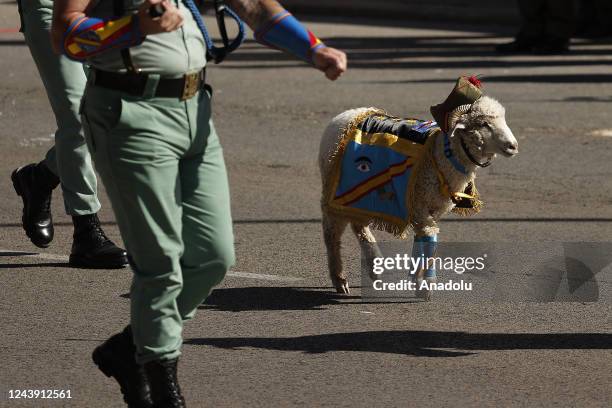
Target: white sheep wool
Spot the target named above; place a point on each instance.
(374, 169)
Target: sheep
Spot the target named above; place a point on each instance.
(478, 130)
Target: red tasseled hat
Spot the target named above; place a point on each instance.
(466, 92)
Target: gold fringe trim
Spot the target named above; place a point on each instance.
(335, 158)
(383, 222)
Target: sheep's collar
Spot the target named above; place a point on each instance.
(467, 202)
(452, 158)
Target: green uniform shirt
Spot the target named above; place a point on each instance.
(168, 54)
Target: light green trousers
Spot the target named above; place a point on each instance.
(64, 81)
(162, 165)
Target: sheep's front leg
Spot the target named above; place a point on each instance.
(333, 227)
(424, 249)
(368, 245)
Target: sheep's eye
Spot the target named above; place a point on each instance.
(363, 164)
(486, 124)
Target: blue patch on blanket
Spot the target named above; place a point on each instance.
(362, 163)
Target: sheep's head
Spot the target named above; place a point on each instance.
(483, 128)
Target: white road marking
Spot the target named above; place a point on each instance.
(601, 133)
(233, 274)
(51, 257)
(36, 141)
(262, 276)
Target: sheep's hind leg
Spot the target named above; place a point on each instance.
(424, 247)
(369, 247)
(333, 228)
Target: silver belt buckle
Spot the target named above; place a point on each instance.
(192, 85)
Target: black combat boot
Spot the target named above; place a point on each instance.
(552, 46)
(165, 390)
(35, 184)
(520, 45)
(91, 248)
(116, 358)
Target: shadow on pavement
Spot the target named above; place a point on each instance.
(404, 53)
(604, 99)
(11, 43)
(276, 298)
(456, 25)
(416, 343)
(273, 298)
(389, 63)
(35, 265)
(553, 78)
(282, 298)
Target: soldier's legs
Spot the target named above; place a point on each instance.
(532, 28)
(560, 19)
(64, 81)
(144, 152)
(533, 14)
(207, 222)
(68, 161)
(604, 11)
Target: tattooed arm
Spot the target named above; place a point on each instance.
(277, 28)
(256, 13)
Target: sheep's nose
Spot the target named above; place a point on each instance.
(511, 147)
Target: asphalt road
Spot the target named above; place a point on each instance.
(275, 334)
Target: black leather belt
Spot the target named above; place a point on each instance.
(135, 84)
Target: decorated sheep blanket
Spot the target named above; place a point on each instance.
(373, 166)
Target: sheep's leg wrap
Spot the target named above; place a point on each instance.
(425, 247)
(368, 245)
(332, 234)
(89, 36)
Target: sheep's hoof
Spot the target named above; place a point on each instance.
(342, 286)
(424, 294)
